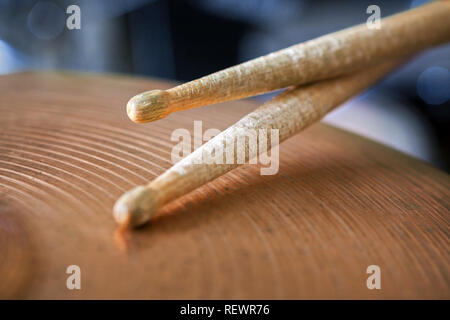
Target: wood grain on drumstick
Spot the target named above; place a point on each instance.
(322, 58)
(289, 112)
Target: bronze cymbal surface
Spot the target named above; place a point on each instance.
(338, 204)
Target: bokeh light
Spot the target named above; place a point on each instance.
(46, 20)
(9, 58)
(416, 3)
(433, 85)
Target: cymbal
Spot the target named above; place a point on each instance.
(339, 204)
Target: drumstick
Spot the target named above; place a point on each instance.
(289, 112)
(331, 55)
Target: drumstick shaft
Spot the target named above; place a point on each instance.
(289, 112)
(331, 55)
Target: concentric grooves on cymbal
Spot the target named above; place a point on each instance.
(68, 151)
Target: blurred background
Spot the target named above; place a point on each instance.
(185, 39)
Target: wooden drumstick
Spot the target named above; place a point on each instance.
(290, 112)
(322, 58)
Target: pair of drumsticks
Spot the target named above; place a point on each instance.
(321, 73)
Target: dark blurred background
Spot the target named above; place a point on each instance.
(185, 39)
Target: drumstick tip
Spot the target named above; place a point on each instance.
(135, 207)
(148, 106)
